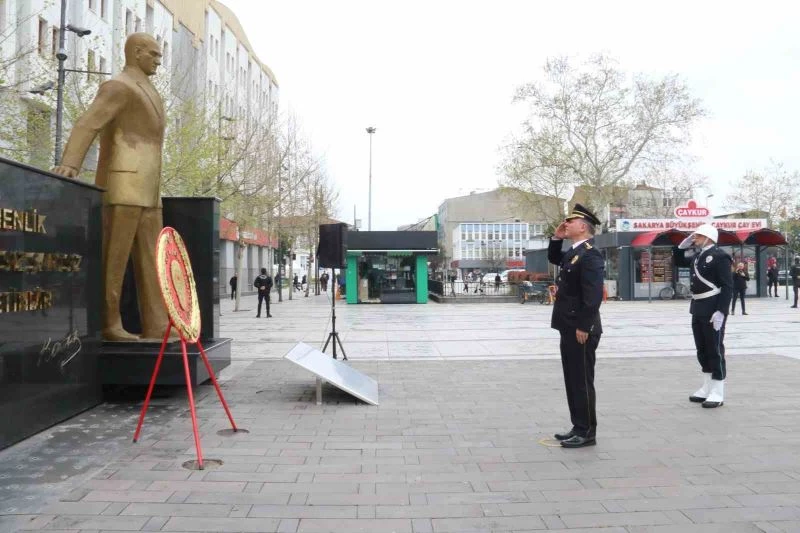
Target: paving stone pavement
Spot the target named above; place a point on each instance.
(467, 393)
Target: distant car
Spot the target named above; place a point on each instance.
(504, 273)
(489, 277)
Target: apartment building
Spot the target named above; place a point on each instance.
(207, 57)
(489, 231)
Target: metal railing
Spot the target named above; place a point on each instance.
(472, 289)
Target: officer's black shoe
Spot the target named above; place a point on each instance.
(258, 316)
(744, 313)
(564, 436)
(793, 306)
(712, 405)
(269, 316)
(696, 399)
(576, 441)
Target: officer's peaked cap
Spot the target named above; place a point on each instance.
(581, 212)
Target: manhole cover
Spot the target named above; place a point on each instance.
(208, 464)
(229, 432)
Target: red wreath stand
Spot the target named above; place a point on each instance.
(169, 249)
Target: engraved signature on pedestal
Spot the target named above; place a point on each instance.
(62, 351)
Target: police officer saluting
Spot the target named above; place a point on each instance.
(711, 285)
(576, 315)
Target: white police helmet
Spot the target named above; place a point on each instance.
(707, 230)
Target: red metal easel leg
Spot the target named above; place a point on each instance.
(152, 382)
(191, 403)
(216, 385)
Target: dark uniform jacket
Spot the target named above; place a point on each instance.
(794, 273)
(714, 265)
(580, 287)
(263, 280)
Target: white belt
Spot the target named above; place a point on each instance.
(707, 294)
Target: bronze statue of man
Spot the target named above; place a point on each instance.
(129, 117)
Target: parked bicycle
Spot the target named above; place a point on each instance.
(680, 292)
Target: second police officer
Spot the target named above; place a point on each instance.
(711, 286)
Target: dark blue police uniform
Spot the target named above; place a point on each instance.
(712, 287)
(577, 307)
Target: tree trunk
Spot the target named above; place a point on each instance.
(308, 269)
(291, 271)
(240, 283)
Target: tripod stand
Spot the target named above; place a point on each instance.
(333, 335)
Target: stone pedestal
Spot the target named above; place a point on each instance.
(132, 363)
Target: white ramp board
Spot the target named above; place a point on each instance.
(335, 372)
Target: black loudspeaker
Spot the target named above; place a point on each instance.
(332, 247)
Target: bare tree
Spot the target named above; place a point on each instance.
(773, 190)
(664, 185)
(595, 125)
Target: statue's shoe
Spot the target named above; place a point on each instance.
(119, 335)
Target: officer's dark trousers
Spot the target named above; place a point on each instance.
(263, 296)
(795, 294)
(577, 361)
(710, 348)
(740, 294)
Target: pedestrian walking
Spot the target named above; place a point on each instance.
(296, 283)
(740, 279)
(323, 280)
(576, 316)
(303, 282)
(711, 286)
(794, 273)
(772, 277)
(497, 281)
(263, 284)
(234, 282)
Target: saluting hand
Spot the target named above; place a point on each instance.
(581, 336)
(561, 231)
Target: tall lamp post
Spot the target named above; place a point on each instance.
(370, 131)
(61, 55)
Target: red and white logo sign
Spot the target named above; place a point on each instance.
(690, 210)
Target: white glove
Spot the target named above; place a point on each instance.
(687, 242)
(717, 319)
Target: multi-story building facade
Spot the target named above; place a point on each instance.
(488, 231)
(207, 58)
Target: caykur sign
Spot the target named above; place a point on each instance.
(691, 210)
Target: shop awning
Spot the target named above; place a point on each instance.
(761, 237)
(671, 237)
(728, 238)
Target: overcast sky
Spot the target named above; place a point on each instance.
(436, 79)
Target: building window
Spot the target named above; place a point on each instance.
(138, 24)
(54, 44)
(128, 22)
(103, 64)
(103, 9)
(93, 5)
(149, 19)
(2, 16)
(90, 65)
(165, 54)
(42, 37)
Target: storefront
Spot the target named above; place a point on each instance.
(640, 266)
(388, 266)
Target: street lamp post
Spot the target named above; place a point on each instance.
(370, 131)
(61, 55)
